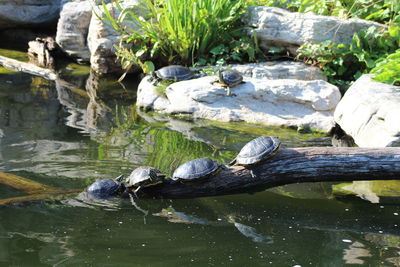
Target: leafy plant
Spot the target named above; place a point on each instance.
(343, 63)
(184, 32)
(387, 69)
(383, 11)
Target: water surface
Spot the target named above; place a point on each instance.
(71, 132)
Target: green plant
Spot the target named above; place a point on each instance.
(387, 69)
(184, 32)
(383, 11)
(344, 63)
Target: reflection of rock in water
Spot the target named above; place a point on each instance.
(355, 253)
(75, 101)
(26, 115)
(88, 113)
(99, 115)
(231, 136)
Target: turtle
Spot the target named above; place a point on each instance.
(195, 169)
(143, 176)
(256, 151)
(106, 188)
(229, 78)
(173, 73)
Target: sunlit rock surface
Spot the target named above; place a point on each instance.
(278, 70)
(288, 102)
(28, 13)
(102, 37)
(72, 29)
(277, 27)
(369, 112)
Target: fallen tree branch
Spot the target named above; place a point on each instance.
(51, 196)
(16, 65)
(296, 165)
(26, 185)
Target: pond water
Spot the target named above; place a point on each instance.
(73, 131)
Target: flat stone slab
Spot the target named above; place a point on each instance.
(286, 102)
(370, 113)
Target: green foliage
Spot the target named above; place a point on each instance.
(382, 11)
(184, 32)
(387, 69)
(347, 62)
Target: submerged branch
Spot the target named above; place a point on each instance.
(25, 185)
(16, 65)
(297, 165)
(60, 194)
(36, 191)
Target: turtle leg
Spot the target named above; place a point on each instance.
(253, 175)
(137, 191)
(228, 91)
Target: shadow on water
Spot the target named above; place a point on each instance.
(69, 133)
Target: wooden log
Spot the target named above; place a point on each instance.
(296, 165)
(16, 65)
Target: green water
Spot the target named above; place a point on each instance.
(63, 135)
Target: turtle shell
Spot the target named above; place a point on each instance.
(144, 176)
(174, 72)
(230, 77)
(105, 188)
(257, 150)
(195, 169)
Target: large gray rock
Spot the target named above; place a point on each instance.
(369, 112)
(102, 38)
(289, 102)
(277, 27)
(72, 29)
(28, 13)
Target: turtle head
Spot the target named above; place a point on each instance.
(119, 178)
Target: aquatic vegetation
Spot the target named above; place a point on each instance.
(186, 32)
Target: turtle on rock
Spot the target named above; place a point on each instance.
(172, 73)
(229, 78)
(256, 151)
(143, 176)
